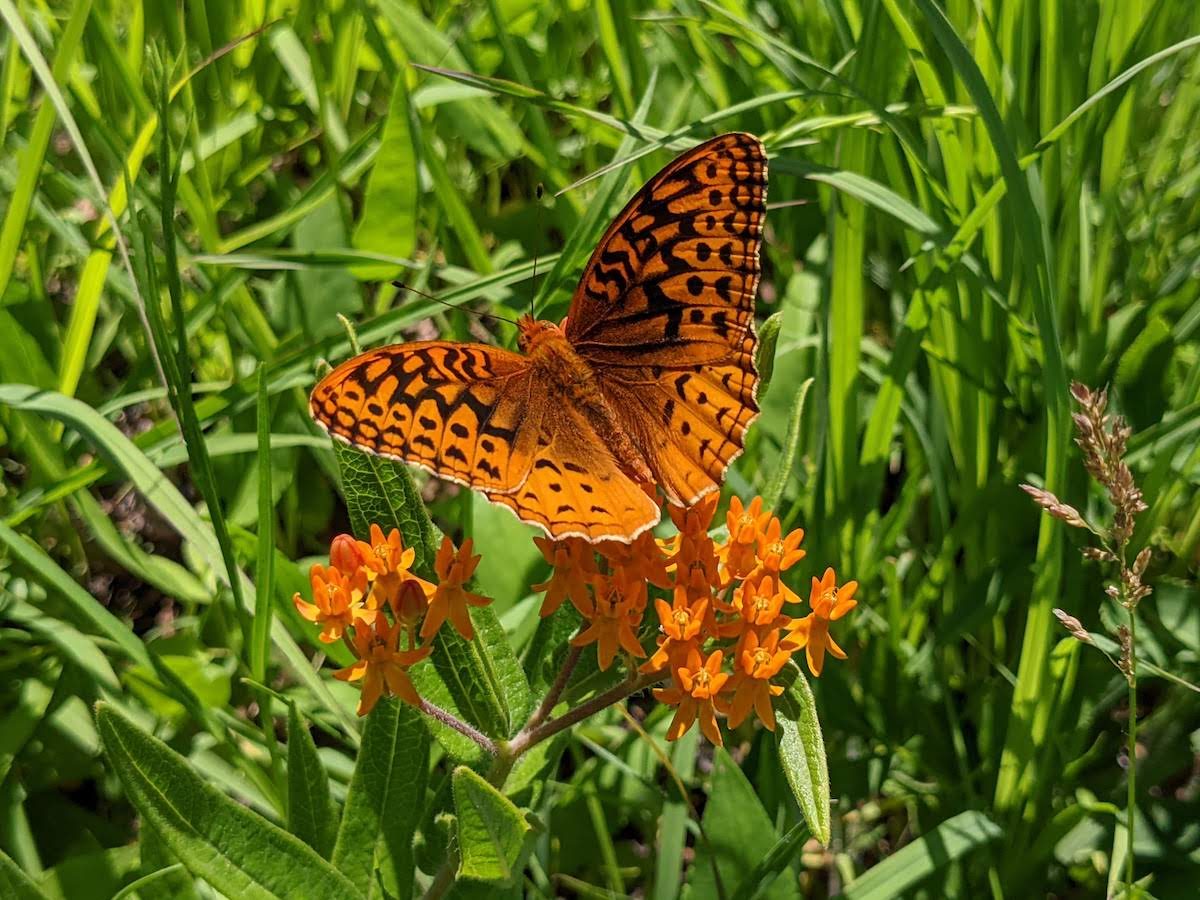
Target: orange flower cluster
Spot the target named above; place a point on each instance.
(369, 597)
(723, 633)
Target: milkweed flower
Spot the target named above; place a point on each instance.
(382, 666)
(337, 601)
(777, 554)
(761, 604)
(757, 662)
(450, 599)
(695, 686)
(574, 565)
(681, 622)
(615, 619)
(746, 525)
(829, 603)
(642, 558)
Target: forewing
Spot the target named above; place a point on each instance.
(461, 411)
(690, 424)
(575, 487)
(673, 280)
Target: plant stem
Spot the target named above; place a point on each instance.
(1131, 775)
(532, 736)
(556, 689)
(458, 725)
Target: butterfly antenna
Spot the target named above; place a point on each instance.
(400, 285)
(539, 192)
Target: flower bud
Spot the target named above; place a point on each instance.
(344, 554)
(409, 604)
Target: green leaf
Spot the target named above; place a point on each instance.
(310, 814)
(387, 795)
(674, 821)
(736, 831)
(773, 863)
(31, 158)
(862, 188)
(14, 883)
(491, 830)
(389, 218)
(764, 360)
(533, 771)
(234, 849)
(264, 570)
(910, 864)
(380, 491)
(802, 751)
(773, 492)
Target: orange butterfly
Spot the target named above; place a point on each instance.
(649, 380)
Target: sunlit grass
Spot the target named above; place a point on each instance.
(998, 198)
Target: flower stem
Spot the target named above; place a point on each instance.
(452, 721)
(1131, 775)
(535, 735)
(556, 689)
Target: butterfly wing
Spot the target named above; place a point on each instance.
(690, 423)
(673, 280)
(575, 487)
(461, 411)
(664, 313)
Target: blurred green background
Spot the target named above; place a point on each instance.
(975, 202)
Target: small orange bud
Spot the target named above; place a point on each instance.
(344, 554)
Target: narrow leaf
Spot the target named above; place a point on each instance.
(910, 864)
(234, 849)
(491, 830)
(802, 752)
(14, 883)
(389, 218)
(736, 831)
(768, 338)
(387, 795)
(310, 814)
(773, 493)
(264, 570)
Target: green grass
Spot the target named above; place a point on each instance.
(979, 202)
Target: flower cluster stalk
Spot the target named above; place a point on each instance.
(1102, 439)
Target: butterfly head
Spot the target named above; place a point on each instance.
(535, 331)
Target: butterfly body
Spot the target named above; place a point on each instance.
(572, 384)
(650, 380)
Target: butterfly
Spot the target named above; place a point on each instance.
(650, 379)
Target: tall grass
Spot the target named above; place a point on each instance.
(998, 198)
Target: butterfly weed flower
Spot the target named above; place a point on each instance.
(811, 633)
(757, 661)
(382, 666)
(694, 688)
(574, 564)
(337, 601)
(746, 525)
(409, 605)
(761, 604)
(682, 622)
(642, 558)
(619, 605)
(777, 554)
(454, 568)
